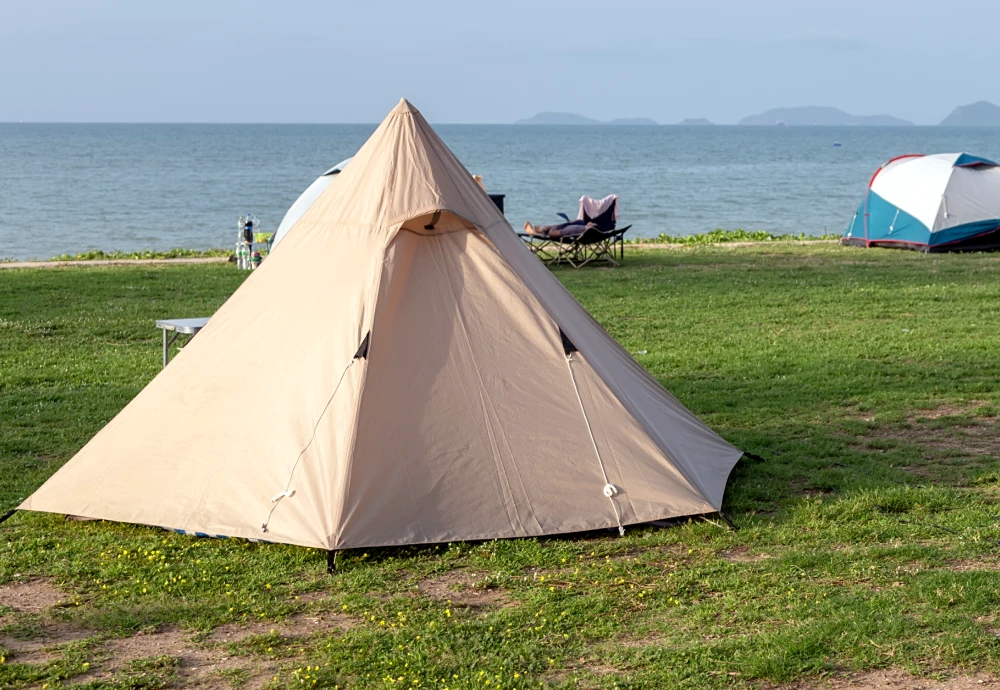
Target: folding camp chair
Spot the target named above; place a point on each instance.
(599, 241)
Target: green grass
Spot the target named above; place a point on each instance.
(177, 253)
(868, 538)
(720, 236)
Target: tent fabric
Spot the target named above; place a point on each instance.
(305, 200)
(592, 208)
(939, 202)
(408, 351)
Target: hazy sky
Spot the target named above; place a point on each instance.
(498, 61)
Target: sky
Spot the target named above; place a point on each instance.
(489, 61)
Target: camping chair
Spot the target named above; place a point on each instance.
(599, 241)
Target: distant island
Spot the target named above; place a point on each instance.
(695, 121)
(821, 115)
(631, 121)
(980, 114)
(549, 118)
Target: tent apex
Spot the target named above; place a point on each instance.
(404, 106)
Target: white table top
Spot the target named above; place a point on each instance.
(182, 325)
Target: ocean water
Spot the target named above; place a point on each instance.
(67, 188)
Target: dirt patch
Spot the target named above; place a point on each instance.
(815, 493)
(463, 588)
(970, 566)
(919, 471)
(582, 667)
(31, 596)
(312, 597)
(44, 646)
(168, 642)
(201, 666)
(299, 625)
(28, 652)
(940, 439)
(891, 680)
(742, 554)
(600, 669)
(949, 409)
(647, 641)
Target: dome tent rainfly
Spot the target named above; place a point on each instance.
(426, 378)
(936, 203)
(306, 199)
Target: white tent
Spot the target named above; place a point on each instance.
(306, 199)
(935, 203)
(425, 379)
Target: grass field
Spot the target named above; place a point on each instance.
(868, 538)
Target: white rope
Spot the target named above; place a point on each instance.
(288, 490)
(610, 490)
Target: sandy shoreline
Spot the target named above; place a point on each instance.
(114, 262)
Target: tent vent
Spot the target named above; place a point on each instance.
(362, 352)
(568, 347)
(434, 219)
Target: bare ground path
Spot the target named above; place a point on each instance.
(223, 259)
(115, 262)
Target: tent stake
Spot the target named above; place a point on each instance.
(729, 522)
(7, 515)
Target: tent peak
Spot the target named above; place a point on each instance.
(404, 106)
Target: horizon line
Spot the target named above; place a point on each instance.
(490, 124)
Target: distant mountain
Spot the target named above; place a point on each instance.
(820, 115)
(695, 121)
(631, 121)
(574, 119)
(558, 119)
(981, 114)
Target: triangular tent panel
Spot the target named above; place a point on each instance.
(941, 202)
(423, 378)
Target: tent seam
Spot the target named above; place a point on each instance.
(338, 526)
(487, 406)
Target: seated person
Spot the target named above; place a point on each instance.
(570, 229)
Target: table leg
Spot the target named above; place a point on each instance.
(166, 349)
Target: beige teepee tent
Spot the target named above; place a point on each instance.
(403, 371)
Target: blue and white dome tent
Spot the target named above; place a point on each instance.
(937, 203)
(305, 200)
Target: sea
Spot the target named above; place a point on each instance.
(70, 188)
